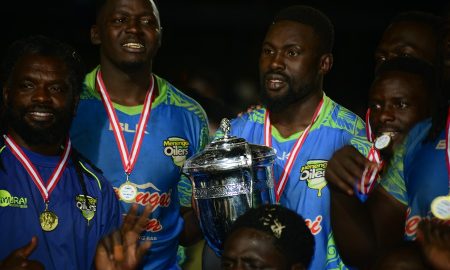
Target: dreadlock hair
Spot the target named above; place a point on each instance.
(48, 47)
(310, 16)
(287, 229)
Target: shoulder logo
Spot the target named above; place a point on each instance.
(440, 145)
(6, 199)
(313, 172)
(87, 207)
(177, 148)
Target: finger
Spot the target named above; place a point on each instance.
(143, 219)
(106, 242)
(117, 246)
(338, 182)
(26, 250)
(142, 249)
(130, 219)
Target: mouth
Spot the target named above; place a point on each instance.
(41, 116)
(391, 133)
(134, 46)
(275, 82)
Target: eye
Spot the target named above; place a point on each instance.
(149, 21)
(375, 106)
(57, 88)
(401, 105)
(293, 53)
(119, 20)
(267, 51)
(380, 58)
(405, 54)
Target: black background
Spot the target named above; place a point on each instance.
(221, 39)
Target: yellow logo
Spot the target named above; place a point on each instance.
(87, 212)
(177, 148)
(314, 173)
(6, 199)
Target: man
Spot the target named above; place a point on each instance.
(403, 93)
(268, 237)
(305, 126)
(138, 128)
(54, 203)
(410, 34)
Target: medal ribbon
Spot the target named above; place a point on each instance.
(447, 150)
(128, 161)
(279, 187)
(367, 181)
(35, 176)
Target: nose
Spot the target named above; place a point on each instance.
(133, 26)
(41, 94)
(386, 114)
(277, 61)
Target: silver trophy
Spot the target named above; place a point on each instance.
(229, 177)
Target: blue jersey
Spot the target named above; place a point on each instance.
(177, 128)
(72, 244)
(418, 174)
(306, 190)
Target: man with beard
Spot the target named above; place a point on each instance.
(300, 121)
(138, 128)
(54, 204)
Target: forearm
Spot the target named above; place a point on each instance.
(352, 229)
(191, 233)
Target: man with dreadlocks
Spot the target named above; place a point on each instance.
(271, 237)
(54, 206)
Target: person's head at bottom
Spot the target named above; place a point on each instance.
(268, 237)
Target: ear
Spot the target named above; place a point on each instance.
(95, 36)
(326, 62)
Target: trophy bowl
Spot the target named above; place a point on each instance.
(229, 177)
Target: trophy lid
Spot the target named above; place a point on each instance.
(226, 153)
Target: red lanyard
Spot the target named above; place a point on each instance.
(128, 160)
(370, 174)
(35, 176)
(280, 185)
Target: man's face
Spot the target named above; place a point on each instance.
(407, 39)
(128, 32)
(251, 249)
(39, 102)
(289, 64)
(398, 100)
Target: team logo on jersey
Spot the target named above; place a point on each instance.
(177, 148)
(314, 174)
(440, 145)
(6, 199)
(87, 207)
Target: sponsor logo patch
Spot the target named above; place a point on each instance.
(87, 207)
(177, 148)
(8, 200)
(313, 172)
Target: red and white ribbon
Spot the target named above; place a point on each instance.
(370, 174)
(280, 185)
(35, 176)
(128, 160)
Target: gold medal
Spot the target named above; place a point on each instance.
(49, 220)
(127, 192)
(382, 142)
(440, 207)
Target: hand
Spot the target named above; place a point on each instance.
(18, 259)
(250, 109)
(121, 249)
(434, 237)
(345, 169)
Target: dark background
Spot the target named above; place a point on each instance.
(219, 41)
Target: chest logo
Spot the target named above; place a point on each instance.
(177, 148)
(87, 207)
(6, 199)
(313, 172)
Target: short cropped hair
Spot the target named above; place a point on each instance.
(420, 17)
(312, 17)
(288, 231)
(44, 46)
(411, 65)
